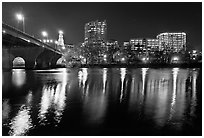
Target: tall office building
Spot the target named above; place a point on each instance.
(144, 44)
(95, 32)
(172, 42)
(95, 40)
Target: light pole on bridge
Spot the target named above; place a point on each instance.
(20, 17)
(45, 34)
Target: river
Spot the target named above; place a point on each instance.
(102, 101)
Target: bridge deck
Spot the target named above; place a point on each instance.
(11, 31)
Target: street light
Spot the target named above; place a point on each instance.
(20, 17)
(45, 34)
(56, 42)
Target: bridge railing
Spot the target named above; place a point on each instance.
(17, 33)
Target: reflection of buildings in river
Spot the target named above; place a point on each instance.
(178, 101)
(114, 85)
(104, 79)
(156, 102)
(144, 73)
(18, 77)
(193, 103)
(135, 98)
(166, 100)
(82, 77)
(53, 96)
(164, 94)
(173, 100)
(22, 122)
(137, 88)
(122, 77)
(95, 100)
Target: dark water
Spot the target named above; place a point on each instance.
(94, 101)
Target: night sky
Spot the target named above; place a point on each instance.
(125, 20)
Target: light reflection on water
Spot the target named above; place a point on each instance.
(22, 122)
(163, 96)
(53, 97)
(122, 73)
(18, 77)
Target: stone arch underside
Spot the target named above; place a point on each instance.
(47, 59)
(29, 54)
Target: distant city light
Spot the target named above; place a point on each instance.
(175, 58)
(123, 59)
(56, 42)
(51, 40)
(84, 60)
(4, 31)
(44, 40)
(194, 51)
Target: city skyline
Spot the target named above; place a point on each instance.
(124, 20)
(101, 69)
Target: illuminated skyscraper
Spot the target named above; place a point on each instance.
(95, 31)
(95, 40)
(172, 42)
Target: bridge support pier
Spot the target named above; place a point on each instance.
(47, 59)
(30, 64)
(7, 59)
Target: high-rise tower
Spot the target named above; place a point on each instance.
(95, 31)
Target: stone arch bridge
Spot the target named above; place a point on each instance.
(36, 54)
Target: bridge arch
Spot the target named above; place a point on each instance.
(60, 61)
(55, 60)
(18, 62)
(47, 59)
